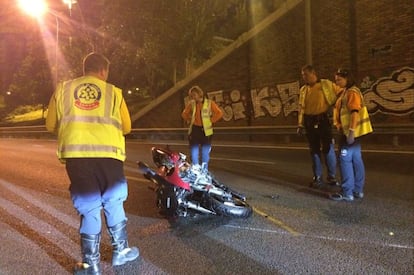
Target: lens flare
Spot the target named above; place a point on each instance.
(35, 8)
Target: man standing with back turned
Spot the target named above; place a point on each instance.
(315, 99)
(91, 118)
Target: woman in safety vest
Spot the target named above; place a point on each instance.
(200, 113)
(348, 120)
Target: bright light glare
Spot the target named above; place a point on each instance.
(69, 3)
(35, 8)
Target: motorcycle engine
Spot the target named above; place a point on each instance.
(170, 200)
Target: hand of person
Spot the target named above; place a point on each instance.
(300, 130)
(350, 138)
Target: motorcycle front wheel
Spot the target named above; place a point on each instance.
(235, 207)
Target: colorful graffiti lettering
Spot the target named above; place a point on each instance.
(265, 101)
(392, 95)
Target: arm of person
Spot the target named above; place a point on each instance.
(125, 118)
(186, 114)
(217, 113)
(301, 105)
(354, 105)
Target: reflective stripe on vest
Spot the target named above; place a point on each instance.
(88, 147)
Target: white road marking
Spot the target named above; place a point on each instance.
(246, 160)
(283, 232)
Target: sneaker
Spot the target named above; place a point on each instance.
(341, 197)
(358, 195)
(316, 182)
(332, 181)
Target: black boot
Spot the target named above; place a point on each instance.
(121, 252)
(90, 256)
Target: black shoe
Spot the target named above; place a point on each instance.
(316, 182)
(332, 181)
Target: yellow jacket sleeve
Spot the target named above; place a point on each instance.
(125, 118)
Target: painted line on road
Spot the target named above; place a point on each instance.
(382, 244)
(137, 179)
(246, 160)
(277, 222)
(174, 143)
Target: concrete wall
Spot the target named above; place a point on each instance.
(258, 83)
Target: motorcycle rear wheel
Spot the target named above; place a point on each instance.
(235, 208)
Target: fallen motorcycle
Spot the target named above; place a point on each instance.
(183, 189)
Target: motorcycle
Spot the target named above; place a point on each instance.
(183, 189)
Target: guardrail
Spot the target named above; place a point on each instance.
(384, 134)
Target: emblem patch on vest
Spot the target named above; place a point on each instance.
(87, 96)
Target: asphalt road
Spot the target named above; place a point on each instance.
(294, 229)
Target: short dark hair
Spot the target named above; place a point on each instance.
(95, 62)
(308, 68)
(345, 73)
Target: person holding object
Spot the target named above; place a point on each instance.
(200, 113)
(90, 117)
(352, 121)
(315, 99)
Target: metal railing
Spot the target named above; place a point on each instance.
(387, 134)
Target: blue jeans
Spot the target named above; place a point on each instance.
(199, 141)
(352, 168)
(205, 153)
(96, 184)
(330, 159)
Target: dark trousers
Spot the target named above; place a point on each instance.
(319, 135)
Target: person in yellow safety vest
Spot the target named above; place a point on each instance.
(90, 117)
(348, 121)
(200, 113)
(315, 100)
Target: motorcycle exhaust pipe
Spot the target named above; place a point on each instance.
(197, 207)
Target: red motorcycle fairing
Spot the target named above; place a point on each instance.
(176, 180)
(167, 158)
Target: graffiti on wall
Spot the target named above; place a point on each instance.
(392, 95)
(267, 101)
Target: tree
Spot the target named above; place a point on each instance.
(160, 42)
(32, 84)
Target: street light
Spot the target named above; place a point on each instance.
(37, 9)
(69, 3)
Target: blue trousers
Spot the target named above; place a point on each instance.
(352, 168)
(199, 142)
(205, 153)
(96, 184)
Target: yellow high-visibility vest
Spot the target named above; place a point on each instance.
(88, 110)
(205, 117)
(363, 126)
